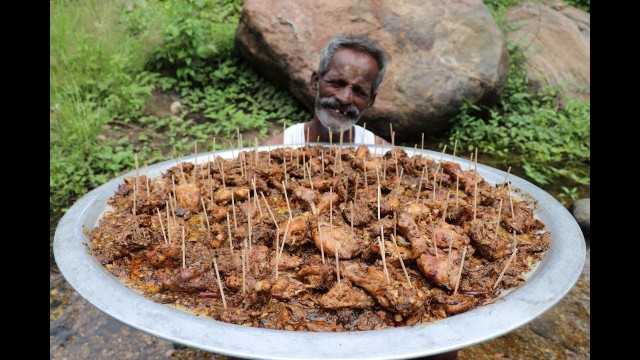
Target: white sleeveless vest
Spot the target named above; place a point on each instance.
(294, 134)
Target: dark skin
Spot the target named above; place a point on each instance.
(349, 81)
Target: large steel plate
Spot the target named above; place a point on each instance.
(546, 284)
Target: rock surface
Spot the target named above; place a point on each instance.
(581, 211)
(556, 44)
(442, 53)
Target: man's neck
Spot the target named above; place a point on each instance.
(316, 131)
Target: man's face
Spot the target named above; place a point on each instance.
(344, 93)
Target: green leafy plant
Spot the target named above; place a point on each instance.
(548, 139)
(194, 33)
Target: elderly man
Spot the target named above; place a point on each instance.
(346, 84)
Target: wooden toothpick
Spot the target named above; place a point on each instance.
(204, 208)
(404, 269)
(270, 212)
(382, 253)
(183, 250)
(229, 234)
(146, 168)
(464, 253)
(338, 266)
(215, 265)
(513, 215)
(506, 266)
(321, 245)
(506, 175)
(162, 227)
(498, 220)
(284, 188)
(449, 258)
(233, 208)
(243, 253)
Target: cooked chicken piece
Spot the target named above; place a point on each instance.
(297, 228)
(317, 275)
(466, 178)
(443, 232)
(345, 296)
(323, 204)
(523, 222)
(286, 262)
(234, 283)
(223, 195)
(454, 304)
(350, 244)
(229, 263)
(436, 270)
(396, 297)
(286, 288)
(362, 215)
(391, 253)
(164, 256)
(484, 238)
(408, 227)
(305, 196)
(259, 265)
(190, 280)
(188, 196)
(362, 152)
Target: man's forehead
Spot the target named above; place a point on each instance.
(354, 63)
(350, 69)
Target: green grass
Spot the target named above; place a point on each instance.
(96, 74)
(108, 57)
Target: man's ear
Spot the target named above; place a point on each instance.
(314, 82)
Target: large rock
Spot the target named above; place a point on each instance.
(443, 53)
(557, 46)
(581, 211)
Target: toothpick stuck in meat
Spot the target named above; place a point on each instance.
(498, 220)
(233, 208)
(321, 245)
(184, 262)
(513, 214)
(338, 266)
(162, 226)
(229, 237)
(383, 254)
(206, 217)
(464, 253)
(404, 269)
(215, 265)
(504, 270)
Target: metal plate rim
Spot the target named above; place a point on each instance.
(547, 284)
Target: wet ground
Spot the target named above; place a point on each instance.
(78, 330)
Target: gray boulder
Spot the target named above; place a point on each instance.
(556, 44)
(581, 211)
(443, 54)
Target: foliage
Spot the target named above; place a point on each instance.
(549, 140)
(96, 74)
(580, 4)
(108, 57)
(194, 34)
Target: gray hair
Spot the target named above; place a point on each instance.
(357, 42)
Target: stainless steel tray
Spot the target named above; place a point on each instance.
(546, 284)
